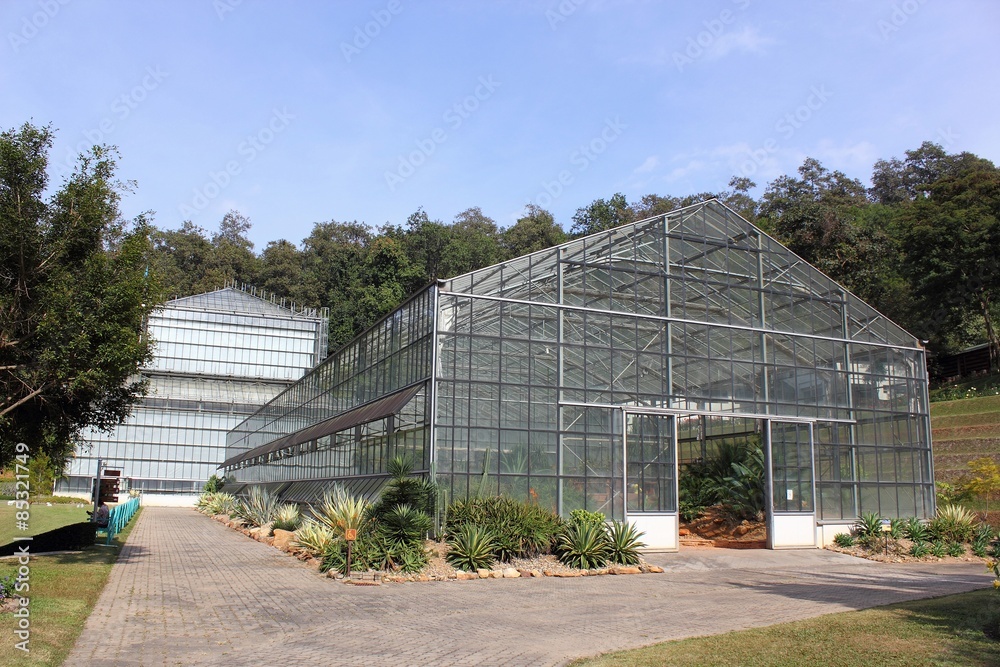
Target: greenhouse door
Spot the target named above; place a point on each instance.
(651, 478)
(791, 492)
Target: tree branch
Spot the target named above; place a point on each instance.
(23, 400)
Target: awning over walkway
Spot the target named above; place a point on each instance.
(379, 409)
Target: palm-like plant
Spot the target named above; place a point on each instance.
(340, 510)
(584, 545)
(624, 543)
(471, 548)
(313, 537)
(287, 517)
(259, 506)
(405, 525)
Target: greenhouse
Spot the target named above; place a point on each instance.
(593, 374)
(219, 357)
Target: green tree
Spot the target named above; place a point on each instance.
(534, 231)
(474, 243)
(985, 480)
(950, 242)
(74, 293)
(602, 215)
(181, 258)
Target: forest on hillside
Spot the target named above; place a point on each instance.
(920, 245)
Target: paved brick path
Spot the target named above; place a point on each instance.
(188, 591)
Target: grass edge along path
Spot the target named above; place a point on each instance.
(936, 631)
(64, 590)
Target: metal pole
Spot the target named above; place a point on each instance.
(97, 489)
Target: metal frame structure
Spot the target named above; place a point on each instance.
(532, 364)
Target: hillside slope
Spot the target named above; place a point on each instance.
(964, 430)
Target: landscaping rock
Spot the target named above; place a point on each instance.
(525, 573)
(483, 574)
(283, 538)
(622, 569)
(536, 573)
(563, 575)
(655, 569)
(511, 573)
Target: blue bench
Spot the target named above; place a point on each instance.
(118, 518)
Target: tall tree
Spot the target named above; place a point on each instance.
(601, 215)
(74, 293)
(534, 231)
(950, 239)
(474, 243)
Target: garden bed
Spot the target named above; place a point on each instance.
(438, 568)
(899, 552)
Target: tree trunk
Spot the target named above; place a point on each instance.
(991, 332)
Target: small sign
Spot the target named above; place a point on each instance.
(790, 494)
(350, 534)
(886, 525)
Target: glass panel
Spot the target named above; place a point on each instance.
(791, 467)
(651, 465)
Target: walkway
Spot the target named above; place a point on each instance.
(186, 590)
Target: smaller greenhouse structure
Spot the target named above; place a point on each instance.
(589, 374)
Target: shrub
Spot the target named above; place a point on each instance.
(519, 529)
(953, 523)
(843, 540)
(583, 516)
(418, 493)
(374, 551)
(259, 506)
(937, 549)
(286, 517)
(919, 549)
(404, 524)
(981, 539)
(7, 587)
(584, 546)
(216, 503)
(313, 537)
(916, 530)
(956, 549)
(741, 490)
(214, 484)
(624, 543)
(471, 548)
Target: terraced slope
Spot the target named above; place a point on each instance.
(964, 430)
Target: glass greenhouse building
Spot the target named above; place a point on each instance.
(588, 374)
(218, 358)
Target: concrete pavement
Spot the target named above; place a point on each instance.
(186, 590)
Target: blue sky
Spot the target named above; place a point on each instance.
(295, 113)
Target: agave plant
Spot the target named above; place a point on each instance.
(258, 508)
(287, 517)
(584, 546)
(916, 530)
(624, 543)
(221, 503)
(340, 510)
(471, 548)
(953, 523)
(313, 537)
(868, 525)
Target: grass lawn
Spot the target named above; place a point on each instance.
(939, 631)
(41, 519)
(64, 590)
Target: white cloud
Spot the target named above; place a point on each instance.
(648, 165)
(747, 40)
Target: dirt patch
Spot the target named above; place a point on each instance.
(715, 525)
(899, 552)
